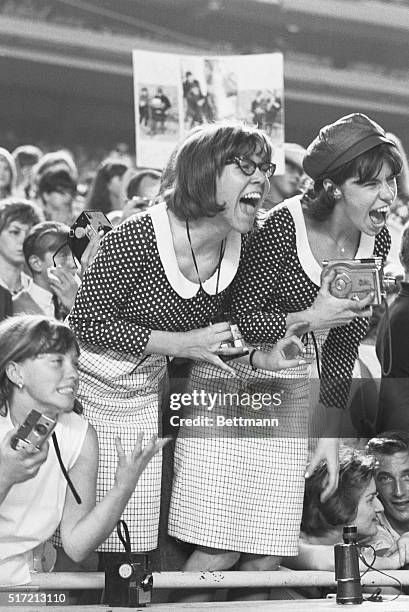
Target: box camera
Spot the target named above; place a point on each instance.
(236, 342)
(128, 581)
(35, 430)
(356, 278)
(88, 224)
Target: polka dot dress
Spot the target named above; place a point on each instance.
(133, 286)
(279, 275)
(244, 491)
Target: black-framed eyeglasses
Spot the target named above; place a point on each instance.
(63, 255)
(248, 166)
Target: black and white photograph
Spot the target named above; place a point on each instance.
(204, 305)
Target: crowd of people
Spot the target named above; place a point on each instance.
(206, 314)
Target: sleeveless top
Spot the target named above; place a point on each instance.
(32, 510)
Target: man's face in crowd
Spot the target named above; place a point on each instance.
(392, 483)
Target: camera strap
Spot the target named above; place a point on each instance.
(124, 537)
(304, 340)
(64, 470)
(385, 335)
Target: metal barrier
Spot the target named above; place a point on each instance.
(208, 580)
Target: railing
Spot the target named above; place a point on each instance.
(209, 580)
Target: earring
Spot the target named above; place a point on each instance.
(20, 385)
(337, 194)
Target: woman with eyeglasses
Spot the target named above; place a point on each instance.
(153, 290)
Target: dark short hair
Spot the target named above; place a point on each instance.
(319, 204)
(355, 472)
(201, 158)
(389, 443)
(133, 186)
(57, 180)
(26, 336)
(21, 210)
(44, 237)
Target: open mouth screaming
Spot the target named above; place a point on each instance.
(378, 216)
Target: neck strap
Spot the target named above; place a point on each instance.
(219, 265)
(64, 469)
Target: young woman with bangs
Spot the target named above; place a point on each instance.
(38, 371)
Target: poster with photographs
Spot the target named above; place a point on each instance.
(157, 106)
(176, 93)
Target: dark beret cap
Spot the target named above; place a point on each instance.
(340, 142)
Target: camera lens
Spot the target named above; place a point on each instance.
(40, 429)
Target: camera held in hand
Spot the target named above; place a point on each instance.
(356, 278)
(236, 342)
(35, 430)
(88, 224)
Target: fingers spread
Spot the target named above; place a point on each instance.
(119, 448)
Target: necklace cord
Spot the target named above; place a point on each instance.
(219, 265)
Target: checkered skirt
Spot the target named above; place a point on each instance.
(241, 488)
(120, 394)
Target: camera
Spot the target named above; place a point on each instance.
(236, 342)
(356, 278)
(88, 224)
(128, 581)
(347, 575)
(35, 430)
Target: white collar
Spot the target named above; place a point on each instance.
(25, 280)
(307, 260)
(182, 285)
(43, 297)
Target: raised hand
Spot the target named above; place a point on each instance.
(327, 449)
(64, 285)
(130, 466)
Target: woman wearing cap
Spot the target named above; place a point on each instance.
(354, 167)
